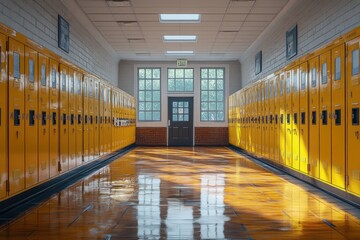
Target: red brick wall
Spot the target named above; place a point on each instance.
(151, 136)
(212, 136)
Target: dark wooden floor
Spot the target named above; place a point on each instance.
(187, 193)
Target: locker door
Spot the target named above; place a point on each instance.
(71, 119)
(54, 118)
(79, 119)
(282, 120)
(338, 111)
(304, 118)
(314, 117)
(267, 122)
(353, 100)
(31, 113)
(101, 119)
(109, 120)
(295, 119)
(16, 117)
(288, 119)
(325, 121)
(276, 120)
(246, 138)
(271, 119)
(64, 115)
(96, 119)
(236, 118)
(86, 119)
(3, 118)
(91, 119)
(43, 120)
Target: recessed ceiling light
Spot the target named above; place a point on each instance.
(118, 3)
(179, 52)
(180, 38)
(180, 18)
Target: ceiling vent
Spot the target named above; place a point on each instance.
(118, 3)
(128, 23)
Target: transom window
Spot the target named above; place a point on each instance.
(212, 94)
(180, 80)
(149, 94)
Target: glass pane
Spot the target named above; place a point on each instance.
(204, 116)
(204, 95)
(156, 106)
(355, 62)
(141, 84)
(186, 104)
(212, 84)
(156, 115)
(220, 116)
(156, 96)
(156, 84)
(220, 106)
(212, 73)
(148, 84)
(148, 73)
(204, 73)
(303, 80)
(220, 96)
(212, 106)
(174, 117)
(63, 80)
(295, 81)
(141, 95)
(186, 117)
(189, 85)
(148, 106)
(204, 85)
(179, 85)
(212, 95)
(171, 73)
(148, 116)
(171, 85)
(179, 73)
(189, 73)
(212, 116)
(141, 73)
(181, 104)
(204, 106)
(174, 104)
(31, 71)
(324, 74)
(313, 77)
(156, 73)
(186, 110)
(141, 116)
(181, 118)
(142, 106)
(288, 86)
(337, 69)
(43, 75)
(220, 84)
(148, 96)
(220, 73)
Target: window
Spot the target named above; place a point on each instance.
(181, 80)
(355, 62)
(303, 80)
(212, 95)
(31, 71)
(313, 77)
(337, 69)
(149, 94)
(324, 74)
(43, 75)
(295, 81)
(53, 78)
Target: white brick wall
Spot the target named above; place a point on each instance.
(37, 19)
(318, 22)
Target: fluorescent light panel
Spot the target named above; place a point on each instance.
(180, 52)
(180, 18)
(180, 38)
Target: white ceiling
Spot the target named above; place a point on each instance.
(227, 27)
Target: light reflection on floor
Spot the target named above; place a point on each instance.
(187, 193)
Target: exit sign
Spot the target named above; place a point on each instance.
(181, 62)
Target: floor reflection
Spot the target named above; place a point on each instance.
(187, 193)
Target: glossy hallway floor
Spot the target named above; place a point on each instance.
(187, 193)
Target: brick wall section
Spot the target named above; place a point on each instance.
(151, 136)
(211, 136)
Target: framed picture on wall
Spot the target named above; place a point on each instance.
(63, 34)
(291, 42)
(258, 62)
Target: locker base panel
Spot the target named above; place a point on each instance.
(22, 202)
(336, 192)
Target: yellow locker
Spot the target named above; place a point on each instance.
(31, 123)
(271, 116)
(3, 118)
(288, 118)
(276, 120)
(261, 105)
(267, 122)
(86, 119)
(338, 111)
(236, 117)
(16, 117)
(257, 119)
(282, 119)
(248, 116)
(304, 118)
(295, 119)
(79, 118)
(54, 118)
(108, 122)
(230, 113)
(325, 121)
(64, 114)
(101, 123)
(96, 118)
(91, 119)
(133, 133)
(314, 117)
(353, 130)
(254, 118)
(72, 119)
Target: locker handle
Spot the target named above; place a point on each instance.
(17, 134)
(357, 134)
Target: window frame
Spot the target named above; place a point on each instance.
(184, 78)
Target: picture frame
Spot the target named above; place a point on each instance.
(291, 42)
(258, 62)
(63, 34)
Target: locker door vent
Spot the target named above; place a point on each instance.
(271, 119)
(295, 118)
(86, 119)
(288, 118)
(54, 118)
(337, 117)
(276, 119)
(16, 117)
(91, 119)
(303, 118)
(43, 118)
(324, 117)
(281, 118)
(313, 117)
(355, 116)
(72, 119)
(64, 119)
(96, 119)
(79, 118)
(31, 117)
